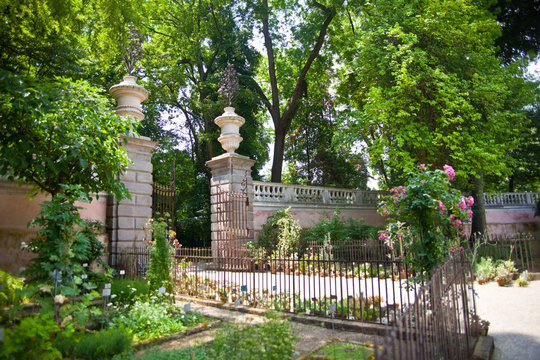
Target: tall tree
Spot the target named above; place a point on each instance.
(428, 88)
(288, 66)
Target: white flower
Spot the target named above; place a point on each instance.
(59, 299)
(109, 304)
(133, 289)
(113, 296)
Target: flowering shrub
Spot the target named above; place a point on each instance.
(425, 218)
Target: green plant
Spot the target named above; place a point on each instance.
(31, 339)
(425, 218)
(126, 291)
(271, 340)
(103, 344)
(340, 231)
(281, 232)
(152, 317)
(10, 283)
(485, 269)
(159, 272)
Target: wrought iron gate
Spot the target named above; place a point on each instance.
(230, 230)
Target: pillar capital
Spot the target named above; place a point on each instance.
(129, 96)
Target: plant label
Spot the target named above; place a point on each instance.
(237, 302)
(122, 272)
(187, 308)
(106, 292)
(243, 288)
(107, 286)
(332, 309)
(161, 290)
(85, 265)
(84, 276)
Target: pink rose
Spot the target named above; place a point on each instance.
(422, 167)
(462, 204)
(450, 171)
(457, 224)
(452, 217)
(470, 201)
(442, 207)
(469, 212)
(383, 235)
(384, 210)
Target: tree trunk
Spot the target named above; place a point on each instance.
(478, 226)
(279, 152)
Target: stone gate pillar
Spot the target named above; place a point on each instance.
(231, 172)
(126, 218)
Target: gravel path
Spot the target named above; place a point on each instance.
(514, 316)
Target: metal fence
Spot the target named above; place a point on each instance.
(517, 247)
(439, 323)
(367, 289)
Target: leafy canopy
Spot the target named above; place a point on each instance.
(60, 132)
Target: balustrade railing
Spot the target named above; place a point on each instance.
(315, 195)
(511, 199)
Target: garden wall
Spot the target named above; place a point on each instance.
(506, 213)
(16, 210)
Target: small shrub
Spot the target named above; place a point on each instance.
(485, 269)
(103, 345)
(281, 232)
(10, 283)
(151, 318)
(268, 341)
(126, 290)
(31, 339)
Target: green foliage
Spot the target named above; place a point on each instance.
(339, 230)
(103, 344)
(64, 242)
(281, 232)
(427, 87)
(159, 272)
(485, 269)
(10, 283)
(31, 339)
(425, 218)
(126, 291)
(270, 340)
(149, 318)
(61, 133)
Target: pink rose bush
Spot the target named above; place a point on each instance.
(425, 218)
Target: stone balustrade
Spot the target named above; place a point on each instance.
(526, 199)
(277, 193)
(314, 195)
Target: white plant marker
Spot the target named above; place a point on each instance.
(122, 272)
(106, 292)
(107, 286)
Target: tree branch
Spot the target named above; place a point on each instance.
(274, 108)
(292, 106)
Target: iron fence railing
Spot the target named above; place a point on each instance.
(439, 323)
(517, 247)
(368, 289)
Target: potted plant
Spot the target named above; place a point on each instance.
(503, 275)
(485, 270)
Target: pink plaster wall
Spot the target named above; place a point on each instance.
(15, 213)
(499, 221)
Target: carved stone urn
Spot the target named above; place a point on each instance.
(230, 124)
(129, 96)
